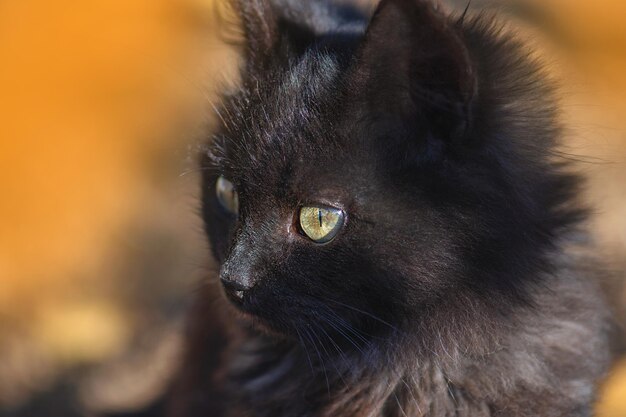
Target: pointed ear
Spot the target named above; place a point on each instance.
(271, 32)
(260, 27)
(413, 67)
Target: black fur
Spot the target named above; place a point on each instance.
(453, 289)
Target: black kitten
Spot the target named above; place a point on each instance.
(392, 227)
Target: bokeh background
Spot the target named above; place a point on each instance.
(104, 105)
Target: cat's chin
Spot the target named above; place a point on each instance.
(258, 322)
(268, 327)
(272, 328)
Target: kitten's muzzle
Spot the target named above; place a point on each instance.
(237, 274)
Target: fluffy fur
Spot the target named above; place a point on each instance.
(454, 288)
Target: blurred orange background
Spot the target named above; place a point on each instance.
(104, 103)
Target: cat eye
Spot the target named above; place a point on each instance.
(227, 195)
(321, 224)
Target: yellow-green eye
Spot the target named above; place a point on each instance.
(227, 195)
(321, 224)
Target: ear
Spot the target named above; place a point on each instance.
(413, 68)
(260, 29)
(269, 33)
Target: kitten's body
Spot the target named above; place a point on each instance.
(454, 289)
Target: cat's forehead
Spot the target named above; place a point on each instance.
(293, 98)
(281, 121)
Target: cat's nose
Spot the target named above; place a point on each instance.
(236, 273)
(234, 290)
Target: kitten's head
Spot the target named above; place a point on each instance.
(364, 182)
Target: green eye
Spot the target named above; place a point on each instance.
(321, 224)
(227, 195)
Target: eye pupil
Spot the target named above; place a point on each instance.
(319, 212)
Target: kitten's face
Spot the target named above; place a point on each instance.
(313, 219)
(337, 198)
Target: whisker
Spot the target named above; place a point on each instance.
(345, 325)
(338, 351)
(346, 336)
(306, 351)
(331, 340)
(320, 341)
(319, 356)
(362, 312)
